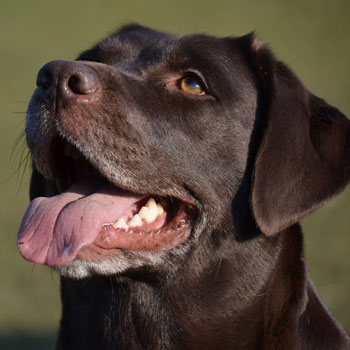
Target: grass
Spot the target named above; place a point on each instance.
(311, 36)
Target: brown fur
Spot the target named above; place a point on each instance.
(255, 155)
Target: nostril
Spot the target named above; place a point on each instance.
(83, 83)
(67, 80)
(74, 84)
(47, 78)
(44, 79)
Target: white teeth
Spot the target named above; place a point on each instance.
(160, 209)
(135, 221)
(151, 203)
(147, 213)
(121, 224)
(153, 209)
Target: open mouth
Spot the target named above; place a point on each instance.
(90, 217)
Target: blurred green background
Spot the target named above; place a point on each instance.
(312, 36)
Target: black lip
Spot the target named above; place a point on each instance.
(70, 167)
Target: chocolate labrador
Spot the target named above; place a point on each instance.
(169, 175)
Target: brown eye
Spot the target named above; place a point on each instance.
(191, 85)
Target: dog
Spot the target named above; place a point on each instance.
(169, 176)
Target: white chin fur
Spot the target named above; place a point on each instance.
(122, 261)
(81, 269)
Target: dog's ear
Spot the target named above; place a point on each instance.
(304, 156)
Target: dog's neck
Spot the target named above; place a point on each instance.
(184, 311)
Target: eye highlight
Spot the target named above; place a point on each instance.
(192, 85)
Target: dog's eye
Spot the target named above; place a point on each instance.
(191, 85)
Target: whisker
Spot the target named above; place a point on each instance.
(25, 167)
(18, 140)
(20, 151)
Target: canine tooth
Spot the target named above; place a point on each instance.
(151, 203)
(145, 213)
(160, 209)
(135, 221)
(121, 224)
(153, 209)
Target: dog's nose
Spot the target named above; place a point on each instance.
(69, 79)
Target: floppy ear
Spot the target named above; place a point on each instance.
(304, 156)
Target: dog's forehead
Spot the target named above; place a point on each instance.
(135, 44)
(140, 47)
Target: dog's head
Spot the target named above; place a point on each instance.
(150, 144)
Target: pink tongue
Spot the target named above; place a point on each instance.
(54, 229)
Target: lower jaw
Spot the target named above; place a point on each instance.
(172, 235)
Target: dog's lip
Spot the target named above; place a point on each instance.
(56, 229)
(80, 156)
(169, 236)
